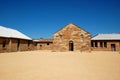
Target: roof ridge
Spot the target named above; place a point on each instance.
(72, 24)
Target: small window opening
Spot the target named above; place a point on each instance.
(48, 44)
(56, 36)
(60, 35)
(92, 44)
(40, 45)
(105, 44)
(101, 44)
(82, 36)
(96, 45)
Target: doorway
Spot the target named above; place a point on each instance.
(71, 46)
(18, 45)
(113, 47)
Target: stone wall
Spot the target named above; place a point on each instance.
(111, 45)
(22, 45)
(45, 44)
(13, 45)
(4, 45)
(71, 38)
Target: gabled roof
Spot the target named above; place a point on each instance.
(106, 37)
(11, 33)
(73, 25)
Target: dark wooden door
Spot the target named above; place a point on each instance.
(71, 46)
(113, 47)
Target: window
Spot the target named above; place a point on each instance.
(96, 45)
(101, 44)
(92, 44)
(48, 44)
(40, 45)
(105, 44)
(56, 36)
(60, 35)
(4, 44)
(81, 35)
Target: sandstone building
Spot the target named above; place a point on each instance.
(44, 44)
(106, 42)
(69, 38)
(12, 40)
(74, 38)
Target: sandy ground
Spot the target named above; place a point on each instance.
(46, 65)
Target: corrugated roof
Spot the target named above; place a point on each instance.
(106, 37)
(46, 40)
(36, 40)
(11, 33)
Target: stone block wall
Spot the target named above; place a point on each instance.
(21, 45)
(13, 45)
(44, 46)
(111, 45)
(71, 38)
(4, 45)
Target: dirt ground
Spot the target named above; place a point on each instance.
(47, 65)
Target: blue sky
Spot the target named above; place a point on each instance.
(41, 18)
